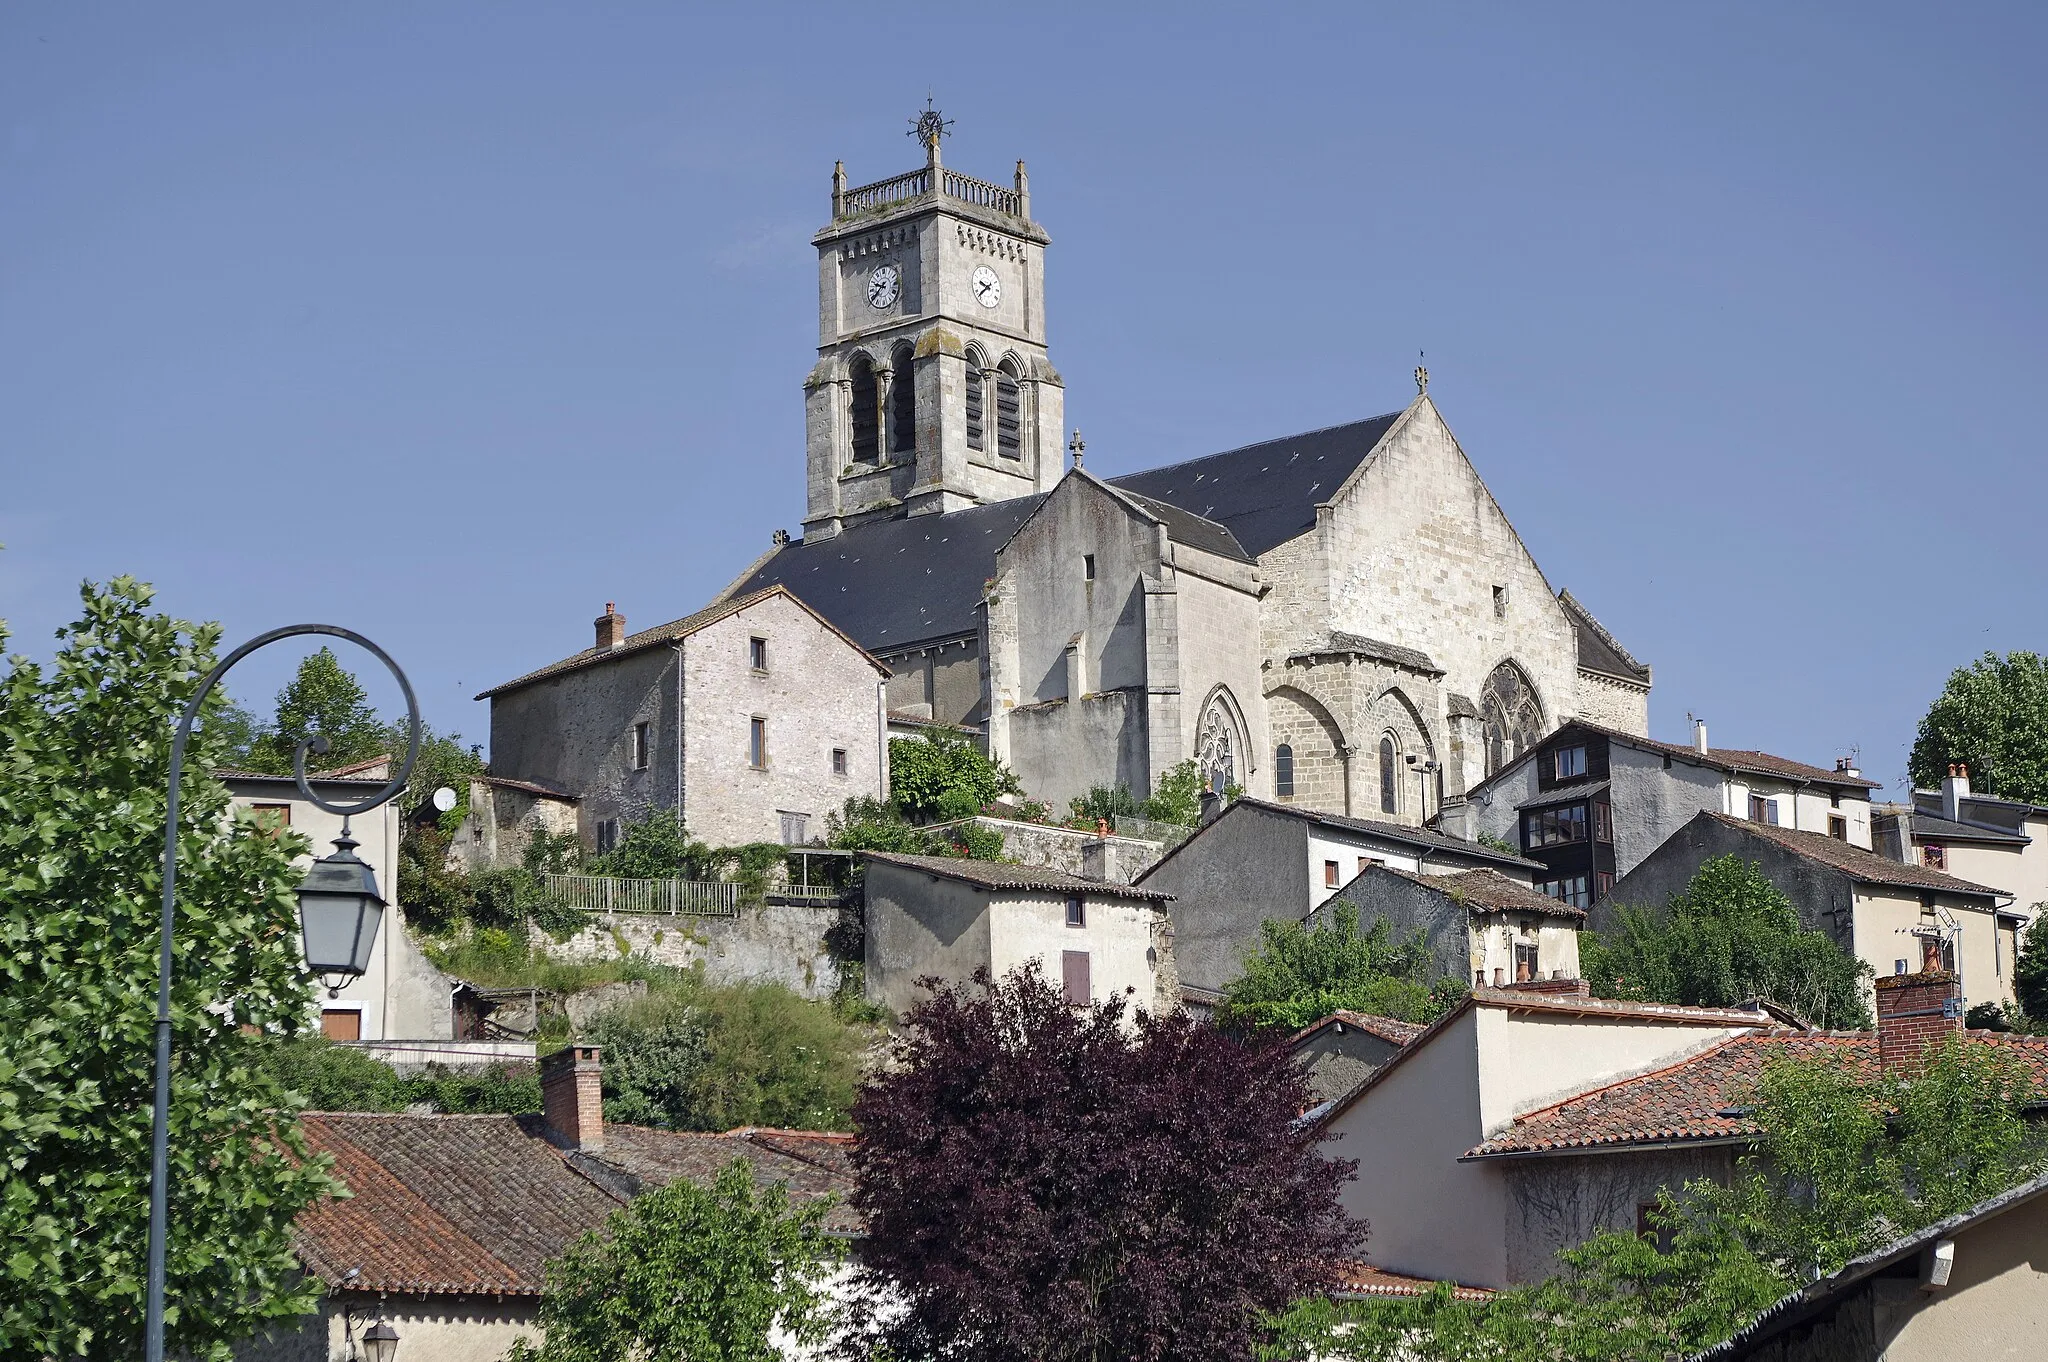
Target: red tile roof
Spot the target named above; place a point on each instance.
(470, 1204)
(1865, 866)
(1362, 1279)
(1700, 1098)
(1386, 1028)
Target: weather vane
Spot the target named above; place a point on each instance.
(929, 126)
(1421, 376)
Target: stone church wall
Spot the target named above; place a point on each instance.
(1217, 622)
(1312, 734)
(1615, 704)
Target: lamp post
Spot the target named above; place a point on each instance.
(339, 911)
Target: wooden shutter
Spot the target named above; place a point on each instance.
(340, 1024)
(1009, 422)
(1074, 978)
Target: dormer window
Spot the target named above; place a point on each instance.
(1569, 763)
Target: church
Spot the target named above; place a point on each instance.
(1343, 619)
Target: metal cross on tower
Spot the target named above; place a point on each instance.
(929, 126)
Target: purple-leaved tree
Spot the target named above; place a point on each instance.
(1045, 1183)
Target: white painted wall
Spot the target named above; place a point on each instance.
(1117, 937)
(1347, 850)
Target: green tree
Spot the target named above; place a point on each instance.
(324, 699)
(945, 776)
(2030, 971)
(691, 1274)
(1177, 796)
(656, 847)
(83, 765)
(1731, 935)
(1993, 716)
(1301, 974)
(1104, 802)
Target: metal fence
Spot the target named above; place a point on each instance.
(605, 894)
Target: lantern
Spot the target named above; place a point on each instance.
(339, 912)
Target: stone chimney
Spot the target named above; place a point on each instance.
(1098, 856)
(1915, 1011)
(1846, 766)
(1954, 791)
(1569, 988)
(572, 1102)
(611, 627)
(1699, 736)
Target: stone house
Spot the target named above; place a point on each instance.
(753, 719)
(1345, 1048)
(1258, 859)
(1966, 1286)
(1343, 618)
(1480, 925)
(451, 1220)
(1976, 837)
(945, 917)
(1590, 802)
(1894, 917)
(401, 996)
(503, 816)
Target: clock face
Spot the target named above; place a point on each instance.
(884, 284)
(988, 287)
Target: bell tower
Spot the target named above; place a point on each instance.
(932, 390)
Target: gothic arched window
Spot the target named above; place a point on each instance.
(866, 412)
(1510, 715)
(1390, 794)
(1216, 747)
(903, 401)
(1009, 414)
(976, 384)
(1283, 771)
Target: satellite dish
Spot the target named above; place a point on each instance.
(444, 799)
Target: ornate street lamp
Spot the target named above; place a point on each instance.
(380, 1341)
(339, 912)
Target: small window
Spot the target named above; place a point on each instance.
(607, 835)
(757, 654)
(1525, 962)
(1567, 889)
(1087, 567)
(640, 747)
(1603, 822)
(1762, 810)
(1552, 827)
(1569, 763)
(1363, 862)
(272, 818)
(1603, 880)
(1500, 602)
(838, 761)
(1389, 792)
(1283, 771)
(1330, 873)
(1074, 978)
(341, 1023)
(1077, 911)
(796, 828)
(1838, 827)
(757, 743)
(1934, 856)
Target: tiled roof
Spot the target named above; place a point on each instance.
(1867, 867)
(999, 875)
(669, 633)
(230, 773)
(1735, 760)
(1393, 832)
(1386, 1028)
(471, 1204)
(531, 787)
(1488, 890)
(1702, 1097)
(1354, 1278)
(365, 768)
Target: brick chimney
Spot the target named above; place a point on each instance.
(1915, 1011)
(611, 627)
(1568, 988)
(1954, 791)
(572, 1103)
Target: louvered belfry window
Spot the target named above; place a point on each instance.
(1009, 423)
(903, 403)
(975, 383)
(866, 408)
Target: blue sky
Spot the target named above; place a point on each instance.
(450, 323)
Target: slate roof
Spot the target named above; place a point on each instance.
(1736, 760)
(895, 584)
(1265, 494)
(1488, 890)
(1393, 832)
(1185, 527)
(998, 875)
(1386, 1028)
(1866, 867)
(1568, 794)
(1599, 651)
(1703, 1097)
(1936, 828)
(668, 633)
(476, 1204)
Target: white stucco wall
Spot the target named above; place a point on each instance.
(1326, 844)
(1117, 938)
(1532, 1059)
(1884, 932)
(402, 996)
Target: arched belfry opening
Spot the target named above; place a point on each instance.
(902, 400)
(866, 410)
(1510, 715)
(976, 394)
(1009, 412)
